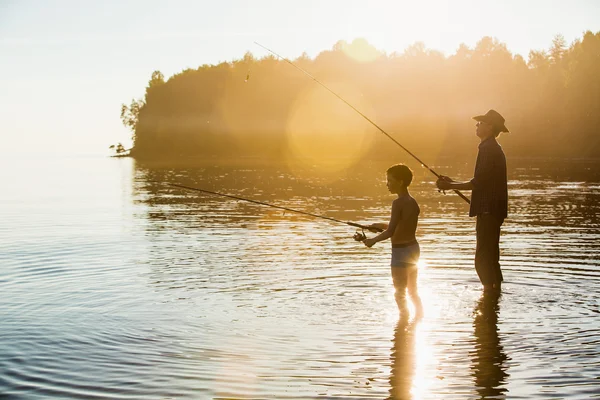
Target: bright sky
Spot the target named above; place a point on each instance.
(66, 66)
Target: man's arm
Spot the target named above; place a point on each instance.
(445, 183)
(483, 172)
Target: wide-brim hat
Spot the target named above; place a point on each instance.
(493, 118)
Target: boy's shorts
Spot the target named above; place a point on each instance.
(405, 254)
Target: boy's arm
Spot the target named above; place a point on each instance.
(391, 227)
(377, 227)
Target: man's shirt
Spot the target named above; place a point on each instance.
(490, 191)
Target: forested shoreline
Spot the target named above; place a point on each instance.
(266, 109)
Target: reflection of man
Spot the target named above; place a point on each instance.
(489, 200)
(403, 359)
(489, 367)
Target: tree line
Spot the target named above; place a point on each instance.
(266, 109)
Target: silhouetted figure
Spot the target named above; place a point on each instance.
(401, 229)
(489, 200)
(403, 358)
(489, 369)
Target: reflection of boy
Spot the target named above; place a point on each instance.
(401, 229)
(489, 200)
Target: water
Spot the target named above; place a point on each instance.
(116, 286)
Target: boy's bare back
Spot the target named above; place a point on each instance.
(408, 212)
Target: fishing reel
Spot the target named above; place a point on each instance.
(359, 236)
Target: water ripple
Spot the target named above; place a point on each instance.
(131, 289)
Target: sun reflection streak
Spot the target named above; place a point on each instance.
(411, 359)
(412, 356)
(425, 361)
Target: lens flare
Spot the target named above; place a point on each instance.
(324, 135)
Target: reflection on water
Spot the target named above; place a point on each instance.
(120, 286)
(489, 360)
(403, 356)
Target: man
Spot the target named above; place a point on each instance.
(489, 200)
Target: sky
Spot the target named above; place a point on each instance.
(66, 66)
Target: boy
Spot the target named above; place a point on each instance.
(401, 229)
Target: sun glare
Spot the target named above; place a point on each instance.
(325, 134)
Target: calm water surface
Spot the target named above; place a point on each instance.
(116, 286)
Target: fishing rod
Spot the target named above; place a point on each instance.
(465, 198)
(358, 236)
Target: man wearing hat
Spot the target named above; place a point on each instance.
(489, 199)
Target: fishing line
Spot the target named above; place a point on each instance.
(364, 116)
(354, 224)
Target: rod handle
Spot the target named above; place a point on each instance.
(465, 198)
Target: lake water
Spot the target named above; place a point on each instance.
(114, 285)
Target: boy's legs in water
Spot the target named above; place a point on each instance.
(413, 291)
(406, 278)
(400, 279)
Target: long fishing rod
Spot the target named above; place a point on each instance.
(279, 207)
(364, 116)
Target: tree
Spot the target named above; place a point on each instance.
(130, 115)
(558, 48)
(157, 78)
